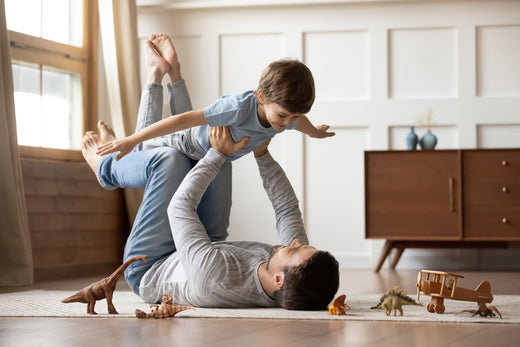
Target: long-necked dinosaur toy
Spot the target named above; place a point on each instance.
(102, 289)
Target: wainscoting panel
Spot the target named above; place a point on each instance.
(423, 63)
(498, 135)
(333, 173)
(498, 54)
(340, 64)
(243, 58)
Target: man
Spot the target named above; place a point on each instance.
(193, 269)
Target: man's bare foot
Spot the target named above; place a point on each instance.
(164, 46)
(156, 66)
(89, 144)
(106, 132)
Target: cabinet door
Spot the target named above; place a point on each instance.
(413, 195)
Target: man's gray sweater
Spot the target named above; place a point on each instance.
(219, 274)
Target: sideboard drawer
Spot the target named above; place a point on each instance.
(499, 163)
(499, 190)
(492, 223)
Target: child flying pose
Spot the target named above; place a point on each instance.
(284, 95)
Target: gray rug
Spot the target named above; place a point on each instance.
(47, 303)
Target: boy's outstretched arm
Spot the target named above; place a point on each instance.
(166, 126)
(319, 132)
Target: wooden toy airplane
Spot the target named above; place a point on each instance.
(443, 285)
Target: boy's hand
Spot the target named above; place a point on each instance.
(123, 146)
(321, 132)
(221, 140)
(262, 149)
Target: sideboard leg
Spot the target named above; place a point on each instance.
(384, 253)
(398, 253)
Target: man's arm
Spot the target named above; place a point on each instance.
(289, 223)
(163, 127)
(305, 126)
(201, 260)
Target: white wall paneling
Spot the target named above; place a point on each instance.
(378, 66)
(334, 213)
(244, 56)
(423, 63)
(498, 57)
(340, 62)
(498, 135)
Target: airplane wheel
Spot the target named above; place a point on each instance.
(439, 308)
(430, 308)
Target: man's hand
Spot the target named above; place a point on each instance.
(262, 149)
(123, 146)
(221, 140)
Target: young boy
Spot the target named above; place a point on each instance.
(284, 94)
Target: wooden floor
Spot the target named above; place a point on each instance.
(269, 332)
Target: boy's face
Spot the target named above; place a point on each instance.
(278, 117)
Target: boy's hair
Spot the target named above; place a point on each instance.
(310, 285)
(289, 83)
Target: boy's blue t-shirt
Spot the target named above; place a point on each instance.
(237, 111)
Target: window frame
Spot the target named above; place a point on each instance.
(82, 60)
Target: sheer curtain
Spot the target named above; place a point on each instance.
(120, 45)
(16, 267)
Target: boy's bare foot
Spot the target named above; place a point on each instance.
(106, 132)
(164, 46)
(89, 144)
(156, 66)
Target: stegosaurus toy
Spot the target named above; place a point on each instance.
(393, 300)
(167, 309)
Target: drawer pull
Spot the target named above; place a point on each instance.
(505, 190)
(504, 220)
(504, 163)
(451, 202)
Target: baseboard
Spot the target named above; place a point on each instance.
(441, 259)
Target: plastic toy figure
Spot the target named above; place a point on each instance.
(102, 289)
(167, 309)
(338, 306)
(393, 301)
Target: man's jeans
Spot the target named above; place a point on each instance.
(160, 171)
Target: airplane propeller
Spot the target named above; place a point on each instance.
(419, 277)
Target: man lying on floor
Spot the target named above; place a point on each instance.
(199, 272)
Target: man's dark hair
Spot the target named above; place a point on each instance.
(310, 285)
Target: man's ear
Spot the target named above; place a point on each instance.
(278, 279)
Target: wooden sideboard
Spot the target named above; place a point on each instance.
(442, 198)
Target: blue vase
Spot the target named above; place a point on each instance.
(428, 141)
(412, 139)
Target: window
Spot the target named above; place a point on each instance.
(54, 55)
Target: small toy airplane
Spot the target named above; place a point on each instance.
(443, 285)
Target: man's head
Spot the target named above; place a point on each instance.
(307, 278)
(288, 83)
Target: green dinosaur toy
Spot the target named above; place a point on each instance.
(393, 300)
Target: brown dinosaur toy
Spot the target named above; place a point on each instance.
(166, 310)
(102, 289)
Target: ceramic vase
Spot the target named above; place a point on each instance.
(428, 141)
(412, 139)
